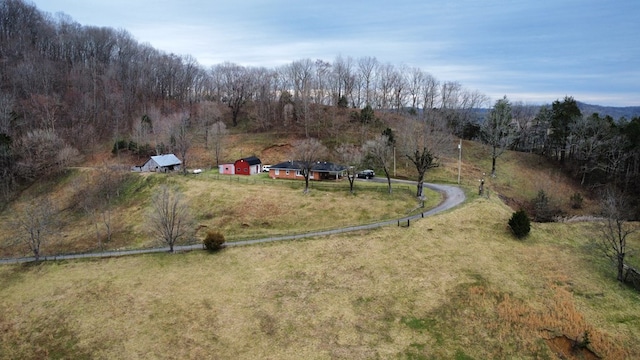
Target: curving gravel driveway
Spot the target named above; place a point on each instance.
(452, 197)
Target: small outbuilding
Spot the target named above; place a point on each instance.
(227, 169)
(160, 163)
(248, 166)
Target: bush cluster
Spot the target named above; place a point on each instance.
(544, 211)
(214, 241)
(143, 150)
(576, 201)
(520, 224)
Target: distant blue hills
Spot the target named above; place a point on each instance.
(628, 112)
(616, 113)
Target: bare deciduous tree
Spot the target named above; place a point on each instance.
(590, 137)
(350, 156)
(497, 130)
(423, 142)
(236, 84)
(218, 134)
(96, 198)
(301, 73)
(366, 73)
(266, 98)
(182, 140)
(380, 151)
(306, 153)
(524, 117)
(34, 222)
(208, 114)
(41, 153)
(615, 230)
(169, 219)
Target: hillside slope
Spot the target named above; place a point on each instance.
(457, 285)
(245, 207)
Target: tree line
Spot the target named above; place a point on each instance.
(66, 87)
(596, 150)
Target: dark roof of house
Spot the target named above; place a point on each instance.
(320, 166)
(252, 160)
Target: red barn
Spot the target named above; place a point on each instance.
(248, 166)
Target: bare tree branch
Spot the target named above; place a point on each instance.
(306, 153)
(616, 229)
(380, 151)
(169, 219)
(35, 221)
(351, 156)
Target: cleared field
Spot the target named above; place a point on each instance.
(239, 207)
(456, 285)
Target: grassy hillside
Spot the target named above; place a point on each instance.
(257, 206)
(239, 207)
(457, 285)
(453, 286)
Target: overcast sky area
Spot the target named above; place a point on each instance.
(535, 51)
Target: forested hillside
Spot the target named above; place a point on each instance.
(67, 90)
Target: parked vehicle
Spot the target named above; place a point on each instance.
(366, 174)
(265, 168)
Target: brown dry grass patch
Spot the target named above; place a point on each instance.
(239, 207)
(456, 284)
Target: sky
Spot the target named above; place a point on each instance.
(534, 51)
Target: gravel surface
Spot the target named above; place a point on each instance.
(452, 197)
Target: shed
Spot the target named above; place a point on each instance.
(161, 163)
(248, 166)
(227, 169)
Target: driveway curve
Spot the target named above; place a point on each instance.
(452, 197)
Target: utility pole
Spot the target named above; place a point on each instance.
(459, 160)
(394, 161)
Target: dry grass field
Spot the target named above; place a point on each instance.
(239, 207)
(453, 286)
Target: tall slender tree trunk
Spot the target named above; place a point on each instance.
(420, 186)
(493, 166)
(306, 183)
(352, 179)
(621, 276)
(386, 172)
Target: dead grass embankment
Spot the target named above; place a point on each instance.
(453, 285)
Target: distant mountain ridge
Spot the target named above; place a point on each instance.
(616, 113)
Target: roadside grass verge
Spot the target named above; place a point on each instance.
(456, 285)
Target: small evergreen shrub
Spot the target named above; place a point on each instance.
(543, 209)
(343, 102)
(118, 145)
(214, 241)
(367, 115)
(520, 224)
(576, 201)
